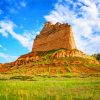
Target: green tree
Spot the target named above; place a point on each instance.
(97, 56)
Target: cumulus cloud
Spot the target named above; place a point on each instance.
(7, 57)
(84, 16)
(7, 27)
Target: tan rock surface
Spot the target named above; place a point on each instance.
(54, 37)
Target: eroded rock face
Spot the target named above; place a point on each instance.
(1, 65)
(69, 53)
(53, 37)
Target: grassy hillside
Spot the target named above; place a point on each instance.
(48, 64)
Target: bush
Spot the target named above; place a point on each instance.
(29, 78)
(3, 79)
(97, 56)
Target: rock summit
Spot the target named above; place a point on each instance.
(54, 36)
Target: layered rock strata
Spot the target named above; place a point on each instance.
(53, 37)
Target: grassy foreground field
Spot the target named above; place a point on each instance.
(55, 88)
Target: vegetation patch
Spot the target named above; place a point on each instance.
(97, 56)
(23, 78)
(3, 79)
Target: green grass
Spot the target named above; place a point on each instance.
(54, 88)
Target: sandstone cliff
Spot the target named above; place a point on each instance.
(53, 37)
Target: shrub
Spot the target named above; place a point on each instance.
(22, 78)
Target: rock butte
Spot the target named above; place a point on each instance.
(54, 36)
(58, 39)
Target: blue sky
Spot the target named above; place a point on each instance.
(21, 21)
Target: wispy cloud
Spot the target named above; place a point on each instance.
(23, 4)
(84, 16)
(26, 39)
(1, 11)
(2, 47)
(7, 57)
(11, 6)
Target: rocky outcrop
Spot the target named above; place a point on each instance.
(53, 37)
(69, 53)
(73, 53)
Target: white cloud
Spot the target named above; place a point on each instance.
(23, 4)
(7, 27)
(7, 57)
(2, 47)
(84, 16)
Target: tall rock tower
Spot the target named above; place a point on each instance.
(54, 36)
